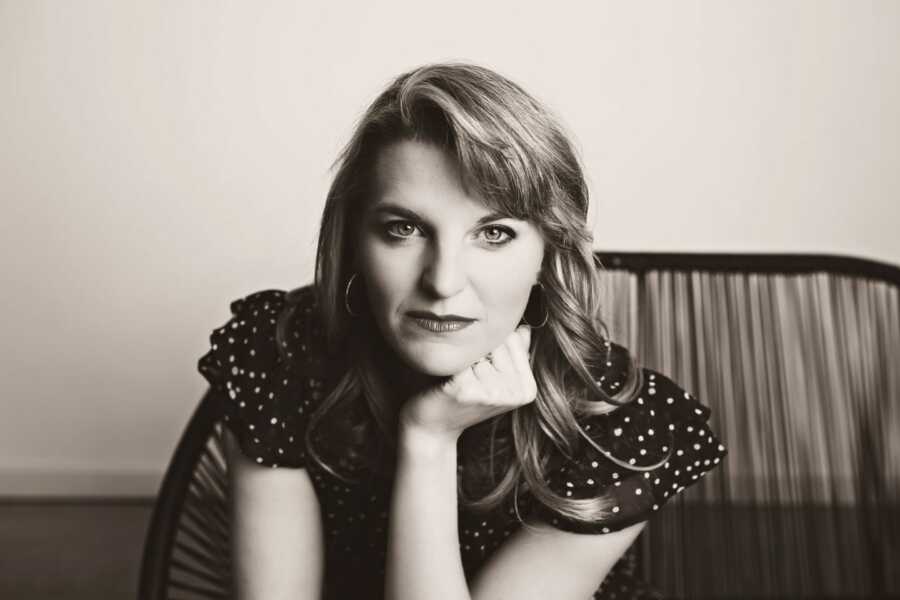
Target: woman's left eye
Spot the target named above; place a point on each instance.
(499, 241)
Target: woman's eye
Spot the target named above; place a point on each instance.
(494, 235)
(399, 229)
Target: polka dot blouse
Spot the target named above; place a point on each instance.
(648, 451)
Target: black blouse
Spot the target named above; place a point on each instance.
(266, 403)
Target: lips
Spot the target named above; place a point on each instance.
(430, 316)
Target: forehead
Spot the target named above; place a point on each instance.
(422, 175)
(414, 164)
(413, 171)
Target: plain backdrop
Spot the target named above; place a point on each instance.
(161, 159)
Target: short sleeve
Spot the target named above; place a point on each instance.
(265, 399)
(649, 451)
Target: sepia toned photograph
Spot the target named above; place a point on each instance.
(467, 301)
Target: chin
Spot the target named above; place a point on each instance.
(438, 363)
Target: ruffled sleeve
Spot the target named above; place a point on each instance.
(650, 450)
(266, 400)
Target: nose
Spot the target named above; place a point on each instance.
(444, 273)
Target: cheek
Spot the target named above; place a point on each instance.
(387, 275)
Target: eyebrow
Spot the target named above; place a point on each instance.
(390, 207)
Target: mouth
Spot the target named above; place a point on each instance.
(424, 314)
(438, 323)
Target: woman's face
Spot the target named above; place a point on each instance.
(427, 246)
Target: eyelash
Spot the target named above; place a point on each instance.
(399, 238)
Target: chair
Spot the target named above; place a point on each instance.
(796, 355)
(186, 551)
(793, 355)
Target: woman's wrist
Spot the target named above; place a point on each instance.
(419, 442)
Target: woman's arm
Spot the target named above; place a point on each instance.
(423, 557)
(545, 562)
(277, 549)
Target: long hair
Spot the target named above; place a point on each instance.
(514, 154)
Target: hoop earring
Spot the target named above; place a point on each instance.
(347, 296)
(546, 311)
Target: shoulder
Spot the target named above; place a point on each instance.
(640, 454)
(268, 367)
(267, 330)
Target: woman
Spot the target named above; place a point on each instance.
(449, 417)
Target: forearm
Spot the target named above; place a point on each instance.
(423, 540)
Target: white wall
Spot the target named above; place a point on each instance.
(160, 159)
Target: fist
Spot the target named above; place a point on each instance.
(498, 382)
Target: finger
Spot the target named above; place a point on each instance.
(502, 360)
(524, 332)
(484, 372)
(519, 354)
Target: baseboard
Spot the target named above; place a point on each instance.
(16, 483)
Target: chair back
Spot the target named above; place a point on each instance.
(797, 356)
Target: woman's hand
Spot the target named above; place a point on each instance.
(499, 382)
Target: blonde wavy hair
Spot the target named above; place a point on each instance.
(514, 154)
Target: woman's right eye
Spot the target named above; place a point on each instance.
(399, 229)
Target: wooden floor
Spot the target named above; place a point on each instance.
(71, 549)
